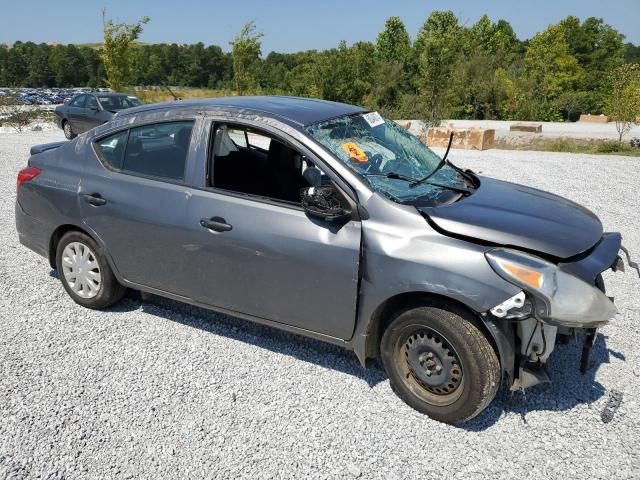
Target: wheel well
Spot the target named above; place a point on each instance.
(394, 306)
(55, 238)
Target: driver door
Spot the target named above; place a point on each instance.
(264, 256)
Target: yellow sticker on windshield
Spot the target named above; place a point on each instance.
(355, 152)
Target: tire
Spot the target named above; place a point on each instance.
(85, 273)
(68, 131)
(440, 363)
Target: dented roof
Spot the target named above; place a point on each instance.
(302, 111)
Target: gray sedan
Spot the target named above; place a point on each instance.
(88, 110)
(330, 221)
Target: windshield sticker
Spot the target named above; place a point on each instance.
(373, 119)
(355, 152)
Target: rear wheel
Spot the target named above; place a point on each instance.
(68, 131)
(85, 272)
(440, 363)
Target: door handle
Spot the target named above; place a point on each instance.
(217, 224)
(94, 199)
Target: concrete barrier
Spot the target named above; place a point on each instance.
(526, 127)
(474, 138)
(594, 118)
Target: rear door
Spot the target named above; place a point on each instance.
(75, 114)
(134, 197)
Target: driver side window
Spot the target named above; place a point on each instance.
(250, 161)
(78, 101)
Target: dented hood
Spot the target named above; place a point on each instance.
(508, 214)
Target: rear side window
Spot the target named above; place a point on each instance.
(158, 150)
(112, 148)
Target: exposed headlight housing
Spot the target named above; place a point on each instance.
(560, 298)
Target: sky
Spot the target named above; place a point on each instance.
(288, 25)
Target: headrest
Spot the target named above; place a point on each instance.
(182, 138)
(134, 146)
(223, 145)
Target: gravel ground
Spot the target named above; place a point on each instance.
(163, 390)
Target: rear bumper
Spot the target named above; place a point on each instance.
(32, 233)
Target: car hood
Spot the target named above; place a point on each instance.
(508, 214)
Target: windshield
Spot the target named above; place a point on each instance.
(390, 159)
(119, 102)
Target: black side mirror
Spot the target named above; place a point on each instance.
(324, 203)
(95, 108)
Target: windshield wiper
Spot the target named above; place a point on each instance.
(441, 164)
(398, 176)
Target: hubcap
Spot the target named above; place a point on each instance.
(81, 270)
(433, 363)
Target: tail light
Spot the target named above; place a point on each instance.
(27, 174)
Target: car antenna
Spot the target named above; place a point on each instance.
(175, 97)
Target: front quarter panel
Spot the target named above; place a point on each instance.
(403, 254)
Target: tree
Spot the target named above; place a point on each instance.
(117, 49)
(438, 49)
(598, 48)
(393, 43)
(623, 101)
(245, 50)
(550, 64)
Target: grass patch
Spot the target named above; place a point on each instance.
(573, 145)
(604, 147)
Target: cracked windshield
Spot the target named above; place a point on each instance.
(391, 160)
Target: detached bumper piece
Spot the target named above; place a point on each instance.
(589, 340)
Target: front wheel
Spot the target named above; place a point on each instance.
(68, 131)
(440, 363)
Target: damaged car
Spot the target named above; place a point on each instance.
(329, 221)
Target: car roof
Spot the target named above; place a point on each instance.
(298, 110)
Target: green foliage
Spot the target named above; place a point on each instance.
(437, 48)
(451, 70)
(393, 44)
(246, 54)
(623, 101)
(117, 50)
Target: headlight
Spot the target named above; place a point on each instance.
(560, 298)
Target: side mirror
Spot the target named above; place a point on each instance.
(95, 108)
(324, 203)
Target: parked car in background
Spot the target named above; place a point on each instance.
(326, 220)
(88, 110)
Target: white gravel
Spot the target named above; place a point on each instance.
(163, 390)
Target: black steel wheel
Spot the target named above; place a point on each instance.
(434, 364)
(440, 362)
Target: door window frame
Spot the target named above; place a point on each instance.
(278, 136)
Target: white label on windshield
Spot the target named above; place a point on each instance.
(373, 119)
